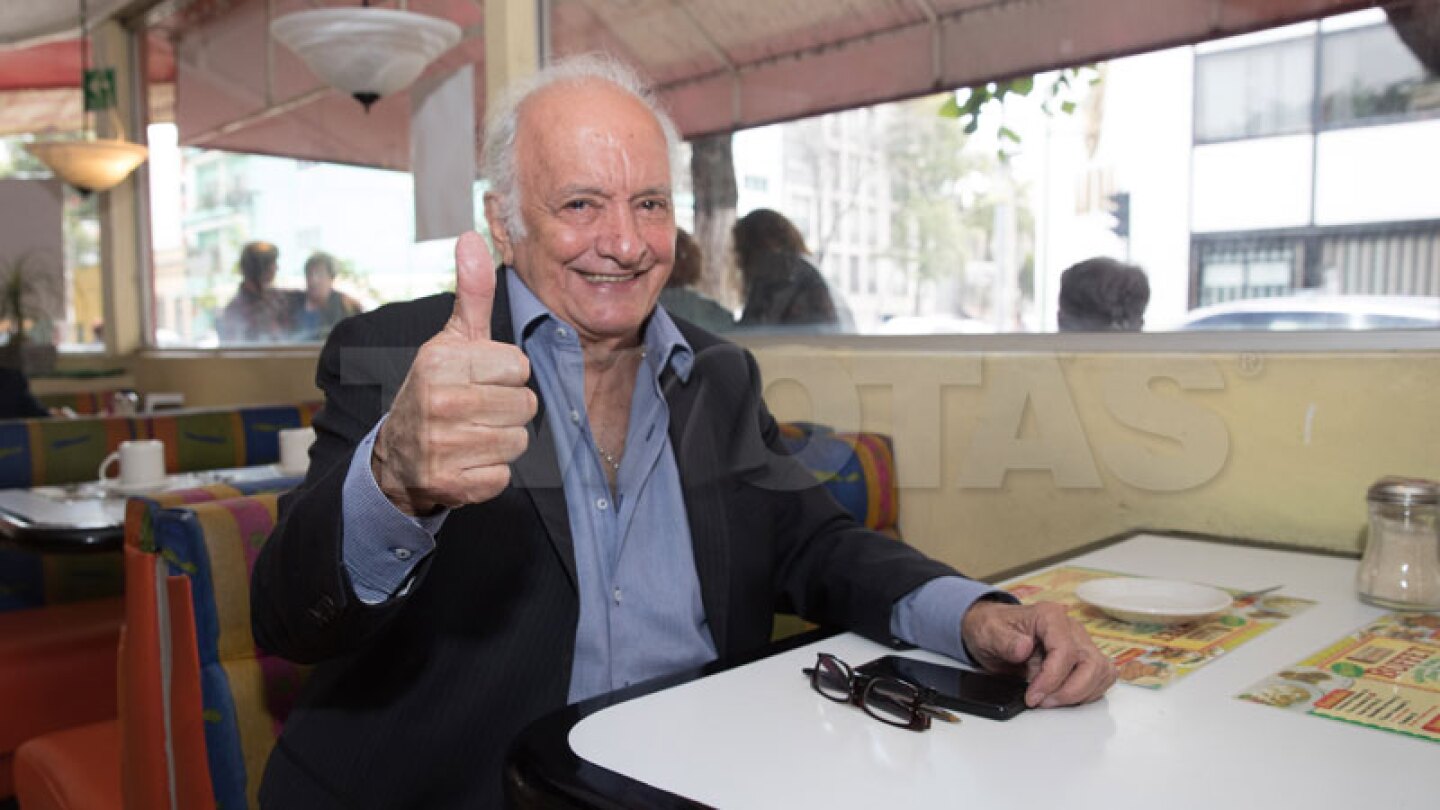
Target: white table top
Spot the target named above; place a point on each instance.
(93, 505)
(758, 736)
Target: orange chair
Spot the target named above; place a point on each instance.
(203, 742)
(46, 651)
(57, 670)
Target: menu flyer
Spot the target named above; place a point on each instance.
(1385, 675)
(1153, 655)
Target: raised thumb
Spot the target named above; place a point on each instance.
(474, 287)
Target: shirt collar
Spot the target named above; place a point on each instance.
(663, 342)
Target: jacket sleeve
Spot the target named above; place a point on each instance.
(830, 569)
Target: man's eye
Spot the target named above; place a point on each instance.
(654, 205)
(579, 205)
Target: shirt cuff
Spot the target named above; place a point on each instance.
(929, 616)
(381, 545)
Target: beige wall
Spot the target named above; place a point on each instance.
(230, 378)
(1006, 458)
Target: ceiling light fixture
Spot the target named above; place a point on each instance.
(366, 52)
(91, 163)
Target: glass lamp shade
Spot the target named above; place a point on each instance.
(367, 52)
(90, 165)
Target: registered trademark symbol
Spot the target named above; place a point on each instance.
(1251, 365)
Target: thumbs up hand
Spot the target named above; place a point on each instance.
(460, 416)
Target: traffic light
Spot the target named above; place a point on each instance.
(1120, 209)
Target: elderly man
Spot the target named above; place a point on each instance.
(569, 493)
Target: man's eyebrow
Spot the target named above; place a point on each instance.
(594, 191)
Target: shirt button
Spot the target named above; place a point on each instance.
(574, 416)
(562, 332)
(601, 503)
(619, 597)
(402, 554)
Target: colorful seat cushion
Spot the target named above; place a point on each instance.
(857, 468)
(247, 693)
(62, 451)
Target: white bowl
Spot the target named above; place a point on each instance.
(1153, 601)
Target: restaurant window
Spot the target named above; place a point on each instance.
(209, 204)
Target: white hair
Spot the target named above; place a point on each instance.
(502, 123)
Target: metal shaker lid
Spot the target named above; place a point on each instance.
(1395, 489)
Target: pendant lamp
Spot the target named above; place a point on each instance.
(91, 163)
(366, 52)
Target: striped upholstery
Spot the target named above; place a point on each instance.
(857, 468)
(859, 471)
(61, 451)
(246, 693)
(37, 452)
(195, 697)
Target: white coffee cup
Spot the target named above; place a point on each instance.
(295, 449)
(142, 465)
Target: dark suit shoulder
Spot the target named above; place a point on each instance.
(404, 323)
(698, 337)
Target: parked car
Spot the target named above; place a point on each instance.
(1306, 312)
(940, 324)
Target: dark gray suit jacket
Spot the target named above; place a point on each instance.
(414, 702)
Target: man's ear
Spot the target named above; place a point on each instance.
(494, 216)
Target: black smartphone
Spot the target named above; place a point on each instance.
(994, 696)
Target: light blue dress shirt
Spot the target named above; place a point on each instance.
(641, 614)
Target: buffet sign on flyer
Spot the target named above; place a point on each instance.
(1385, 675)
(1153, 655)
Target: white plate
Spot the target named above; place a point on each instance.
(1153, 601)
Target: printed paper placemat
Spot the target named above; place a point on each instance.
(1153, 655)
(1385, 675)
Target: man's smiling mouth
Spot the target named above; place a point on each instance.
(608, 278)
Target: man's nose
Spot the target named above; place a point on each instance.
(619, 239)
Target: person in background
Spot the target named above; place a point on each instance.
(1103, 295)
(324, 306)
(566, 491)
(781, 285)
(680, 299)
(16, 401)
(259, 313)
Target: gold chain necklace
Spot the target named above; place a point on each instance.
(613, 459)
(608, 457)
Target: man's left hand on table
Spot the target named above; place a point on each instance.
(1041, 644)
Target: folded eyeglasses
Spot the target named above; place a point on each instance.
(889, 700)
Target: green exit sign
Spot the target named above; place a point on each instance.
(99, 89)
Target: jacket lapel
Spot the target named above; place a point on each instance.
(698, 458)
(537, 472)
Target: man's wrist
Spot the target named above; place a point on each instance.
(394, 491)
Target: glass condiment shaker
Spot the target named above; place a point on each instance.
(1401, 567)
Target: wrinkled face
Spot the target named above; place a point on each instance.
(594, 181)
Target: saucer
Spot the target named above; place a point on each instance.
(1153, 601)
(126, 490)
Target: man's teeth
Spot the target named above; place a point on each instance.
(605, 278)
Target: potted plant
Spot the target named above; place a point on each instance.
(29, 288)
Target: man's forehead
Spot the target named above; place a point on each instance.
(587, 106)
